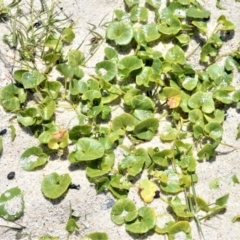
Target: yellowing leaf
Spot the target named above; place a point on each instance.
(147, 190)
(174, 102)
(58, 135)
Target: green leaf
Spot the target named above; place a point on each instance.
(172, 185)
(68, 35)
(122, 123)
(47, 108)
(142, 102)
(124, 210)
(11, 97)
(202, 100)
(208, 51)
(207, 151)
(180, 209)
(28, 117)
(121, 182)
(111, 54)
(11, 204)
(190, 83)
(52, 88)
(235, 179)
(134, 163)
(65, 69)
(128, 64)
(180, 226)
(195, 12)
(53, 42)
(225, 24)
(222, 200)
(100, 167)
(71, 225)
(195, 116)
(174, 9)
(214, 184)
(17, 75)
(202, 26)
(145, 222)
(236, 218)
(214, 130)
(32, 79)
(171, 26)
(96, 236)
(223, 96)
(175, 55)
(87, 149)
(106, 69)
(120, 32)
(154, 3)
(168, 133)
(139, 14)
(162, 158)
(75, 58)
(32, 158)
(151, 32)
(131, 3)
(146, 129)
(54, 186)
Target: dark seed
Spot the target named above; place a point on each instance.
(2, 132)
(74, 186)
(11, 175)
(157, 194)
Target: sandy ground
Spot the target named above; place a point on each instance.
(42, 216)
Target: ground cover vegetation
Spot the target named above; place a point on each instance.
(161, 96)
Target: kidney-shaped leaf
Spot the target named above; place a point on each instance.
(142, 102)
(124, 210)
(128, 64)
(11, 97)
(106, 69)
(171, 26)
(120, 32)
(139, 14)
(122, 123)
(195, 12)
(175, 55)
(32, 79)
(53, 185)
(32, 158)
(86, 149)
(151, 32)
(11, 204)
(214, 130)
(145, 222)
(202, 100)
(146, 129)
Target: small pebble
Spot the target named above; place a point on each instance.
(37, 24)
(74, 186)
(157, 194)
(11, 175)
(2, 132)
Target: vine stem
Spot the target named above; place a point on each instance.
(228, 145)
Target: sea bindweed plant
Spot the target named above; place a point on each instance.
(169, 113)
